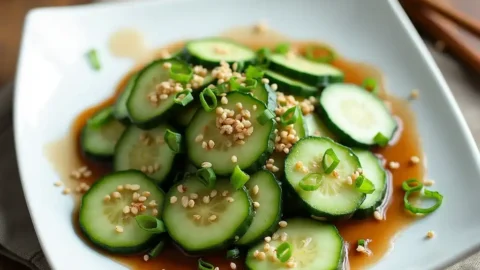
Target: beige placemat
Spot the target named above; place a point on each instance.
(17, 236)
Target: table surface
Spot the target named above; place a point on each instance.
(11, 23)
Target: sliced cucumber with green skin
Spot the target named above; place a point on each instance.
(210, 52)
(316, 127)
(308, 72)
(183, 119)
(120, 108)
(265, 93)
(251, 156)
(335, 198)
(141, 110)
(210, 224)
(99, 217)
(315, 245)
(145, 150)
(100, 135)
(264, 189)
(372, 170)
(290, 86)
(355, 114)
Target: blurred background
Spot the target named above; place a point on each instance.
(450, 28)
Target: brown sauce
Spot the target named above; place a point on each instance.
(66, 155)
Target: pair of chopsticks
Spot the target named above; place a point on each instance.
(440, 20)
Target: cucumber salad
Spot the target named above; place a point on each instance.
(256, 154)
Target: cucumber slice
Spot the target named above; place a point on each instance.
(290, 86)
(120, 108)
(355, 115)
(184, 118)
(100, 135)
(315, 245)
(264, 189)
(210, 52)
(265, 94)
(98, 217)
(208, 225)
(143, 112)
(308, 72)
(335, 198)
(250, 156)
(145, 150)
(316, 127)
(373, 170)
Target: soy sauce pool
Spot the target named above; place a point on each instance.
(66, 155)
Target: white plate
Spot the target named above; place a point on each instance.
(54, 84)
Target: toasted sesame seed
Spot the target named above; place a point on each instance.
(185, 201)
(142, 198)
(204, 145)
(87, 174)
(116, 195)
(225, 193)
(193, 196)
(256, 204)
(268, 239)
(180, 188)
(349, 180)
(127, 186)
(255, 253)
(255, 190)
(234, 159)
(126, 209)
(428, 182)
(265, 80)
(213, 193)
(274, 87)
(430, 234)
(134, 210)
(107, 198)
(393, 165)
(66, 191)
(135, 187)
(191, 203)
(197, 217)
(146, 193)
(167, 65)
(261, 255)
(230, 199)
(135, 196)
(206, 199)
(291, 264)
(143, 207)
(414, 160)
(58, 183)
(275, 236)
(211, 144)
(206, 164)
(377, 215)
(275, 168)
(283, 224)
(146, 257)
(233, 265)
(212, 218)
(266, 247)
(119, 229)
(199, 138)
(153, 203)
(283, 237)
(155, 212)
(224, 100)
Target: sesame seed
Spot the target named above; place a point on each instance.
(107, 198)
(180, 188)
(127, 186)
(361, 249)
(274, 87)
(135, 187)
(126, 209)
(206, 199)
(275, 168)
(414, 160)
(234, 159)
(142, 198)
(291, 264)
(349, 180)
(261, 255)
(119, 229)
(185, 201)
(224, 100)
(225, 193)
(430, 234)
(167, 65)
(230, 199)
(193, 196)
(155, 212)
(153, 203)
(283, 224)
(146, 257)
(143, 208)
(255, 190)
(66, 191)
(199, 138)
(146, 193)
(265, 80)
(213, 193)
(283, 237)
(212, 218)
(393, 165)
(191, 203)
(255, 253)
(135, 196)
(256, 204)
(134, 210)
(233, 265)
(58, 183)
(377, 215)
(268, 239)
(266, 247)
(211, 144)
(206, 164)
(275, 236)
(428, 182)
(204, 145)
(116, 195)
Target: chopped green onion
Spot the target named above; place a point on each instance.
(319, 54)
(238, 178)
(157, 249)
(181, 73)
(253, 72)
(221, 88)
(263, 55)
(234, 84)
(361, 242)
(311, 181)
(290, 116)
(370, 85)
(185, 100)
(282, 48)
(332, 159)
(93, 59)
(428, 194)
(150, 224)
(284, 251)
(207, 177)
(380, 139)
(213, 98)
(364, 185)
(101, 117)
(203, 265)
(173, 140)
(265, 116)
(233, 253)
(250, 84)
(412, 184)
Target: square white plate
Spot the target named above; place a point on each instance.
(54, 84)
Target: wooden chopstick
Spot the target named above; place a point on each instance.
(463, 20)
